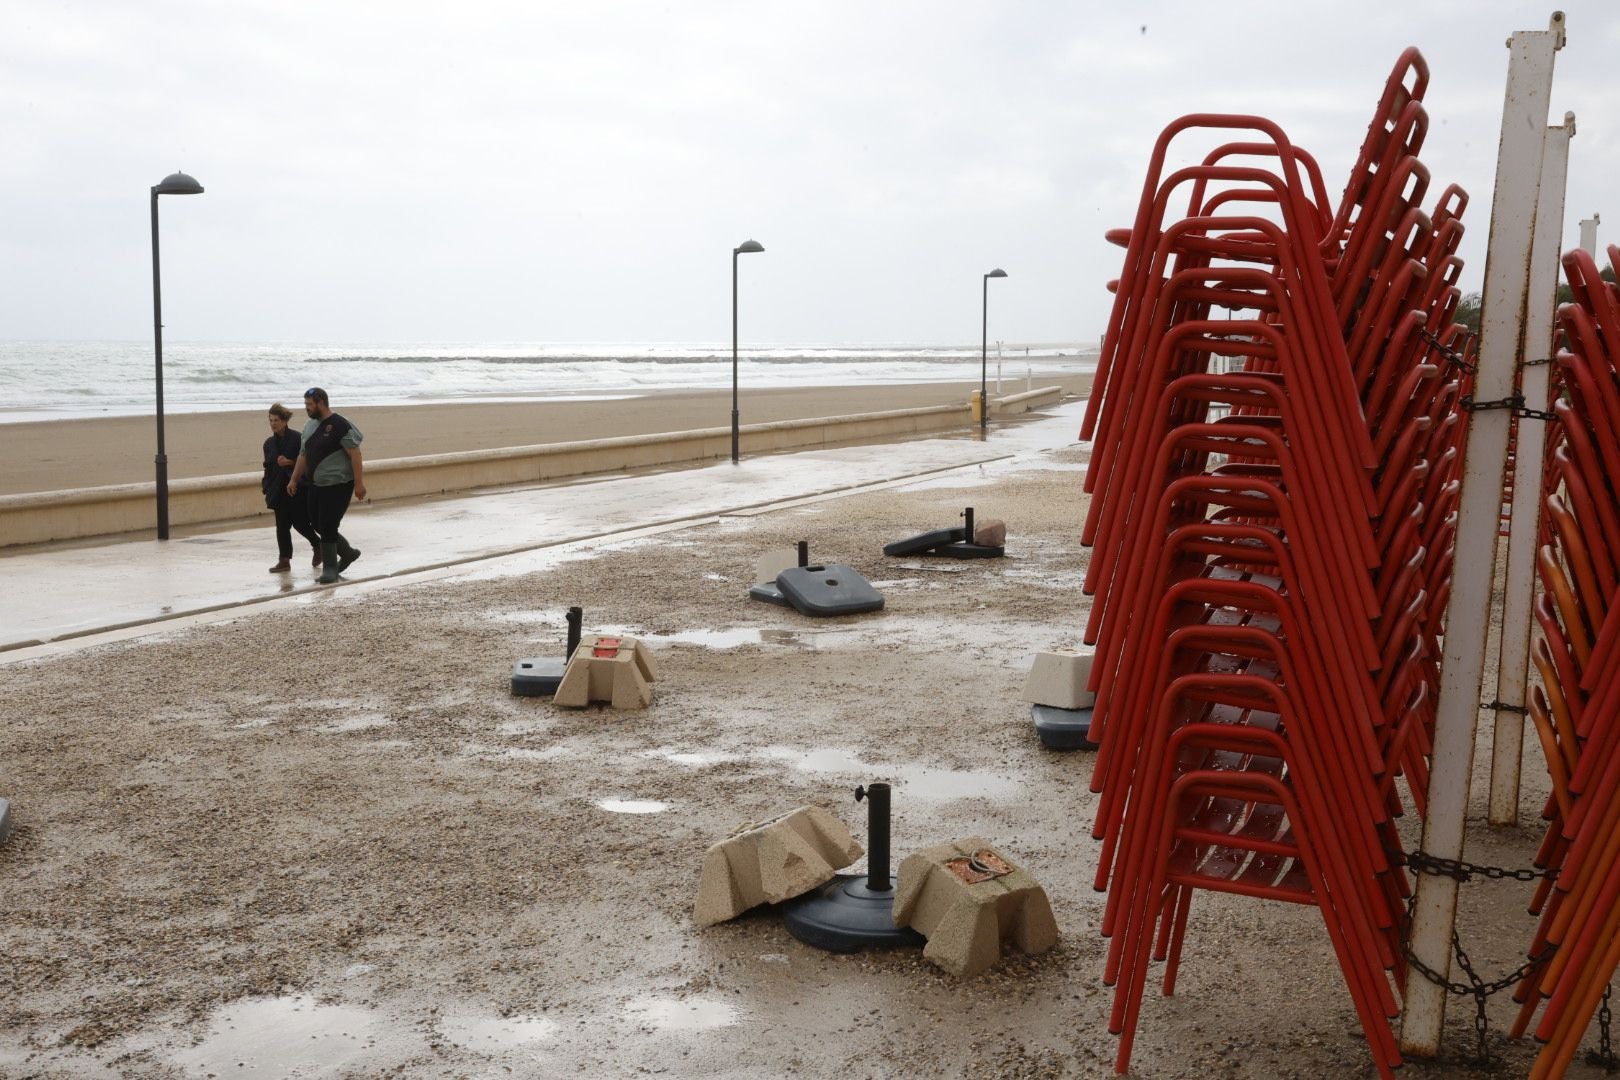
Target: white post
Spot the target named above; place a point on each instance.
(1513, 655)
(1506, 295)
(1589, 235)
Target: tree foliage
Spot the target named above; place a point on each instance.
(1468, 309)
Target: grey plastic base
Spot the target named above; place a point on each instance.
(923, 543)
(845, 916)
(965, 550)
(538, 677)
(832, 589)
(769, 594)
(1063, 729)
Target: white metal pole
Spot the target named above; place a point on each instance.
(1507, 281)
(1513, 653)
(1589, 234)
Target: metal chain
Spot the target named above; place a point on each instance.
(1452, 356)
(1603, 1057)
(1513, 403)
(1477, 988)
(1423, 863)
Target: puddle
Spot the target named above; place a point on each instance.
(632, 806)
(558, 618)
(750, 635)
(916, 781)
(362, 722)
(962, 479)
(518, 753)
(710, 639)
(711, 757)
(493, 1034)
(284, 1036)
(690, 1014)
(524, 727)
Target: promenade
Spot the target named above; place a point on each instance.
(59, 592)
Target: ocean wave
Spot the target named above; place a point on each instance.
(214, 375)
(712, 358)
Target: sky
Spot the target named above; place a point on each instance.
(549, 172)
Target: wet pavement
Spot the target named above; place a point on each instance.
(58, 593)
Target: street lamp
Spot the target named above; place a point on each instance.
(173, 184)
(747, 247)
(984, 351)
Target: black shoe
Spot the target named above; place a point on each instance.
(346, 557)
(329, 572)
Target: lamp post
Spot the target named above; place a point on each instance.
(747, 247)
(984, 351)
(173, 184)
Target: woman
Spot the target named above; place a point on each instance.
(280, 454)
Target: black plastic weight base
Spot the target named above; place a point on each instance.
(830, 589)
(538, 677)
(769, 594)
(965, 550)
(925, 542)
(845, 916)
(1063, 729)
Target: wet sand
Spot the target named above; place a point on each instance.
(50, 455)
(232, 859)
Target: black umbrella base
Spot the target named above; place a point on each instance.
(539, 676)
(1063, 729)
(846, 916)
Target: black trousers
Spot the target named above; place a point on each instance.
(327, 505)
(292, 514)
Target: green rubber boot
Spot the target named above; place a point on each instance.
(346, 555)
(329, 564)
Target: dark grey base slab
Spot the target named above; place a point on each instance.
(538, 677)
(1063, 729)
(769, 594)
(966, 550)
(830, 589)
(845, 916)
(924, 542)
(5, 821)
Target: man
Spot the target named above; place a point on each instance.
(330, 457)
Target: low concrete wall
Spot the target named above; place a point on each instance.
(1029, 399)
(36, 517)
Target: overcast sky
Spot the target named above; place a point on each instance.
(553, 172)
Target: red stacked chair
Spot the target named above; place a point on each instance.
(1273, 502)
(1576, 711)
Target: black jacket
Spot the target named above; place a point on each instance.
(276, 477)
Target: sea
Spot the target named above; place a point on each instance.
(52, 380)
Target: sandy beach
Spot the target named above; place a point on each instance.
(50, 455)
(328, 841)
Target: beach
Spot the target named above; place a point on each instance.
(52, 455)
(231, 859)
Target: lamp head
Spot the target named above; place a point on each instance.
(178, 183)
(996, 273)
(747, 247)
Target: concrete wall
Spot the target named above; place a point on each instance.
(35, 517)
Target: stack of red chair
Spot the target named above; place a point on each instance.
(1274, 482)
(1577, 714)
